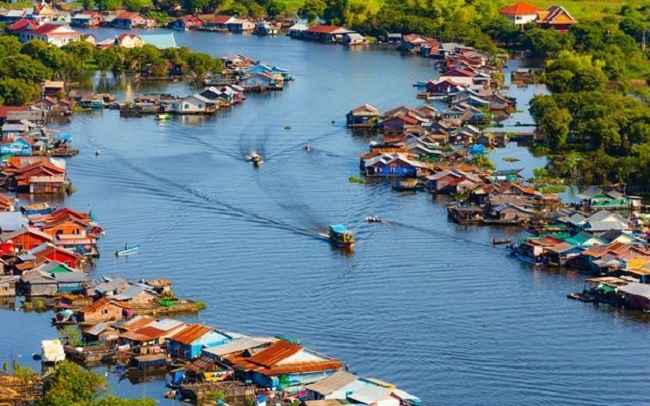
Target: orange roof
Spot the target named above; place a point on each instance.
(4, 110)
(191, 333)
(220, 19)
(267, 361)
(520, 9)
(97, 305)
(555, 15)
(275, 353)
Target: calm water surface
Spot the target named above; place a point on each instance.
(423, 303)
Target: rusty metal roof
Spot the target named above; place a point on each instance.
(191, 333)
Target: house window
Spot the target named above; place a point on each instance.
(104, 311)
(187, 106)
(200, 105)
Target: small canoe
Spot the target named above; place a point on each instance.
(128, 251)
(497, 241)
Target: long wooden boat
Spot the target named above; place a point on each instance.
(340, 236)
(147, 365)
(128, 251)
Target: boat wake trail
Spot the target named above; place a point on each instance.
(253, 143)
(436, 233)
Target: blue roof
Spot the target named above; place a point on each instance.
(338, 228)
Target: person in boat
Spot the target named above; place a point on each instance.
(307, 147)
(126, 246)
(97, 152)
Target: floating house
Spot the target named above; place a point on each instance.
(102, 310)
(324, 33)
(189, 342)
(187, 22)
(129, 20)
(364, 116)
(284, 365)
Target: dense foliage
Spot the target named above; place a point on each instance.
(613, 130)
(71, 385)
(24, 67)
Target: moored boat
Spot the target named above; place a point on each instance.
(373, 219)
(255, 159)
(163, 116)
(340, 236)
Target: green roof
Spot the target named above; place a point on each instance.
(560, 236)
(611, 203)
(580, 239)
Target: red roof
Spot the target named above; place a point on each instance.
(520, 9)
(22, 24)
(122, 36)
(4, 110)
(220, 19)
(324, 29)
(47, 29)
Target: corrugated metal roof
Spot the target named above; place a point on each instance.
(96, 329)
(166, 324)
(136, 323)
(370, 394)
(190, 334)
(275, 353)
(636, 289)
(332, 383)
(238, 345)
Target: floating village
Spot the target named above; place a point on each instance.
(440, 148)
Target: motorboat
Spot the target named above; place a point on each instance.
(340, 236)
(373, 219)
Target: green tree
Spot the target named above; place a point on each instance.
(134, 5)
(560, 81)
(312, 9)
(114, 401)
(70, 335)
(201, 63)
(70, 384)
(15, 92)
(9, 46)
(555, 127)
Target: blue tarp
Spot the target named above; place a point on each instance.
(477, 149)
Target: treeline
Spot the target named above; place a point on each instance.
(159, 8)
(24, 67)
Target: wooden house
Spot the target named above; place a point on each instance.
(50, 252)
(86, 19)
(4, 112)
(284, 362)
(42, 176)
(195, 104)
(324, 33)
(102, 310)
(23, 146)
(7, 203)
(219, 22)
(187, 22)
(364, 116)
(396, 125)
(53, 87)
(23, 239)
(37, 283)
(188, 343)
(555, 17)
(129, 20)
(443, 87)
(63, 223)
(8, 286)
(462, 77)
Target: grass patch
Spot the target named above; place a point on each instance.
(589, 9)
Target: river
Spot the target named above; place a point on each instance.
(426, 304)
